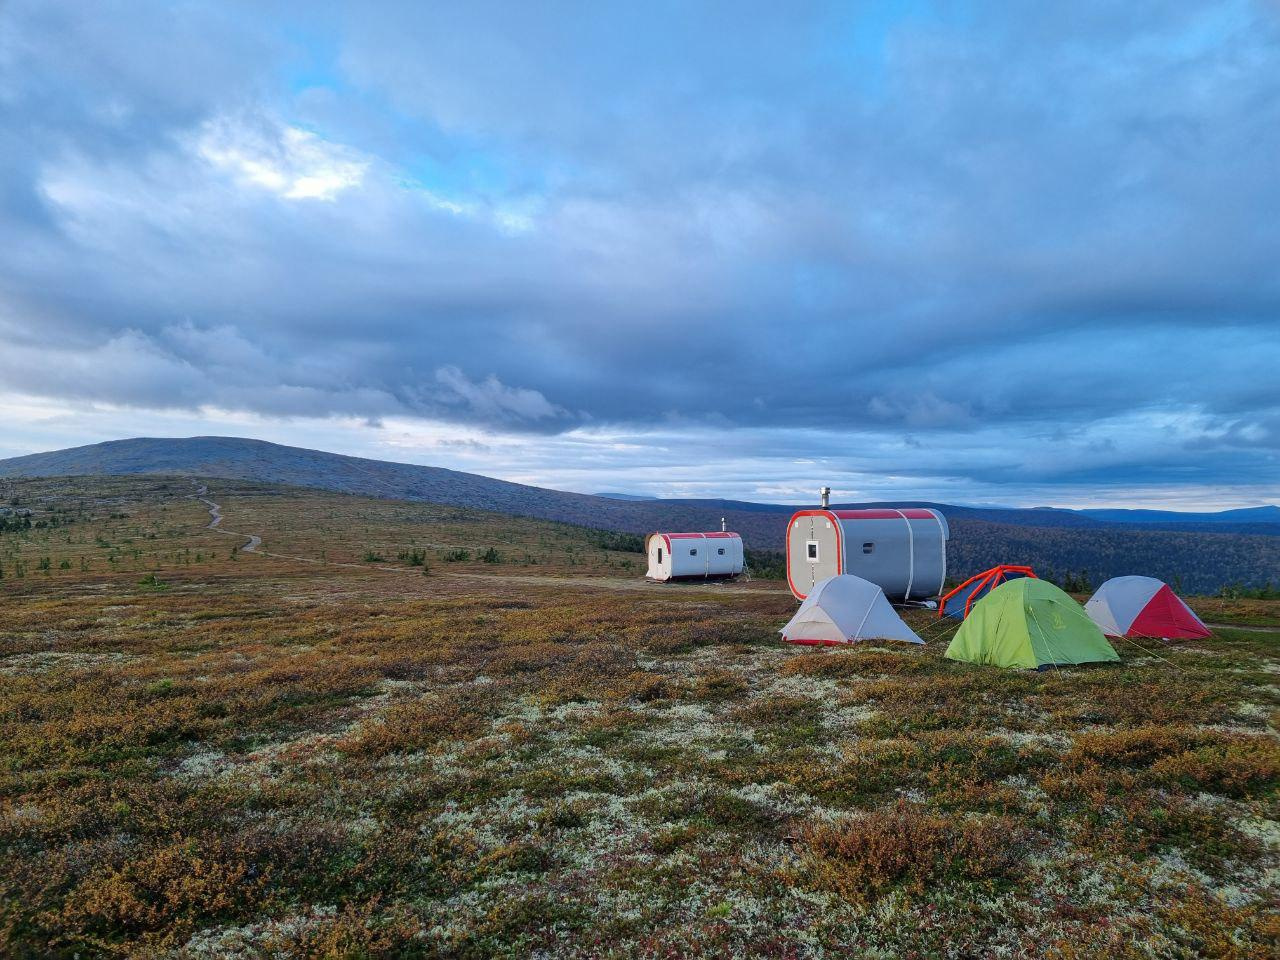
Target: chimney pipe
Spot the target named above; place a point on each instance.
(826, 497)
(724, 525)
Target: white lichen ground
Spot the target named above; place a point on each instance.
(609, 859)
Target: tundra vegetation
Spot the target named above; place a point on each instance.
(210, 752)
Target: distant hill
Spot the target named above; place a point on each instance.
(1203, 550)
(244, 459)
(1267, 514)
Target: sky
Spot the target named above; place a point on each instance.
(976, 253)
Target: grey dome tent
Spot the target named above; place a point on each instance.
(846, 609)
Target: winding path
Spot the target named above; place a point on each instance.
(252, 540)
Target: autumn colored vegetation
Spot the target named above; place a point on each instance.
(207, 752)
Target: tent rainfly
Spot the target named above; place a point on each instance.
(675, 556)
(846, 609)
(904, 552)
(960, 601)
(1029, 623)
(1143, 607)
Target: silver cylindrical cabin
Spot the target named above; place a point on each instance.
(675, 556)
(903, 551)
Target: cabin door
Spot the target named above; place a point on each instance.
(818, 550)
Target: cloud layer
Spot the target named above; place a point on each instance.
(1000, 253)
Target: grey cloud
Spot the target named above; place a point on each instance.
(493, 400)
(977, 229)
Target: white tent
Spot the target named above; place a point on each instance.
(846, 609)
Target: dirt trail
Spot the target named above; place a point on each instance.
(252, 540)
(253, 544)
(1240, 626)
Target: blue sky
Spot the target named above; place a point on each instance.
(968, 252)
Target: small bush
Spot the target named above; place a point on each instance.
(1232, 764)
(618, 542)
(420, 725)
(865, 857)
(676, 837)
(1138, 746)
(457, 556)
(359, 930)
(790, 720)
(519, 857)
(766, 564)
(855, 662)
(719, 685)
(681, 638)
(1243, 767)
(160, 688)
(643, 686)
(564, 815)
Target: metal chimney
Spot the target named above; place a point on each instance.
(826, 497)
(724, 525)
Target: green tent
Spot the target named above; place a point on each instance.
(1029, 623)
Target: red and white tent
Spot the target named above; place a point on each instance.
(1143, 607)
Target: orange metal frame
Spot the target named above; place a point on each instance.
(983, 578)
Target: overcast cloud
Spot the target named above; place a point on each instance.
(966, 252)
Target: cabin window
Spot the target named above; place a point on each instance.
(720, 551)
(693, 551)
(811, 551)
(868, 548)
(659, 554)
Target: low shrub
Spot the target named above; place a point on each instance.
(1138, 746)
(1232, 764)
(788, 720)
(1239, 768)
(836, 664)
(645, 687)
(681, 638)
(863, 857)
(719, 685)
(419, 725)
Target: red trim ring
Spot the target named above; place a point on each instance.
(835, 523)
(876, 513)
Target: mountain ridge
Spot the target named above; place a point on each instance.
(196, 455)
(1205, 550)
